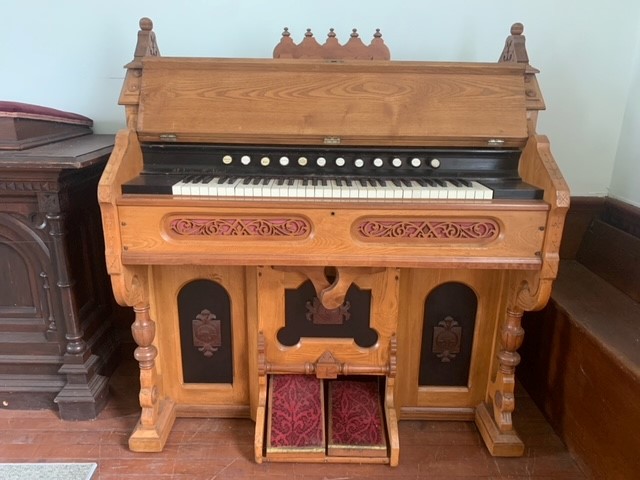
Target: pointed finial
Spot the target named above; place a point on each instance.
(286, 33)
(377, 34)
(331, 33)
(517, 29)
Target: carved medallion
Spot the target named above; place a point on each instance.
(446, 339)
(241, 227)
(207, 335)
(319, 315)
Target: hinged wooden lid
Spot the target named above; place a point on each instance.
(311, 102)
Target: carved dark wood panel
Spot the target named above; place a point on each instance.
(305, 317)
(56, 337)
(447, 335)
(204, 308)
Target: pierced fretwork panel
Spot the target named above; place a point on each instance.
(306, 317)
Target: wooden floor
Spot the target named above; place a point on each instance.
(220, 448)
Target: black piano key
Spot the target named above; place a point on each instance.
(247, 181)
(280, 181)
(290, 181)
(256, 180)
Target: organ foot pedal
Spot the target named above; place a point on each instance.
(314, 420)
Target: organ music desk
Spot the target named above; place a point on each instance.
(307, 239)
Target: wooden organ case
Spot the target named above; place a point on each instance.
(317, 238)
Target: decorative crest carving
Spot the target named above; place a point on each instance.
(354, 49)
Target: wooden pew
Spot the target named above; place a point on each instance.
(581, 354)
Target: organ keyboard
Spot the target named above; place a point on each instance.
(222, 171)
(334, 225)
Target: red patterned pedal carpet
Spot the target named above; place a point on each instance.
(356, 424)
(295, 417)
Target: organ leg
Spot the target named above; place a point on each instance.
(158, 415)
(494, 420)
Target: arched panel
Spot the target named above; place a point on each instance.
(447, 335)
(204, 310)
(23, 276)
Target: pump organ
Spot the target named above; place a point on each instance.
(328, 222)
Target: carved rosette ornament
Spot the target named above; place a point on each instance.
(281, 228)
(207, 333)
(446, 339)
(319, 315)
(421, 230)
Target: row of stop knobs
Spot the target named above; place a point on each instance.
(339, 161)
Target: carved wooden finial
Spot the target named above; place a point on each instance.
(515, 51)
(146, 45)
(286, 48)
(517, 28)
(514, 47)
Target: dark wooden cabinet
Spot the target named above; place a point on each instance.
(57, 340)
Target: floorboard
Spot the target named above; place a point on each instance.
(223, 448)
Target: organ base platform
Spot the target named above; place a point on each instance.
(330, 247)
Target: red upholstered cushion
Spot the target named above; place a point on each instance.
(356, 416)
(37, 112)
(296, 415)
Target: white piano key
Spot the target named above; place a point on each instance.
(211, 188)
(283, 189)
(176, 188)
(298, 189)
(482, 192)
(353, 190)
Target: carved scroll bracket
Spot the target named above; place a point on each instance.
(332, 293)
